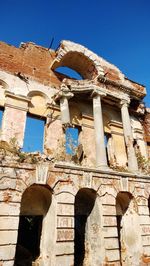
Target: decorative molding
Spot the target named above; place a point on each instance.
(17, 97)
(138, 130)
(63, 94)
(86, 125)
(53, 107)
(16, 107)
(98, 91)
(116, 133)
(42, 173)
(128, 90)
(87, 116)
(115, 123)
(21, 104)
(3, 84)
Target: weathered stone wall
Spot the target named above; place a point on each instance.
(31, 60)
(65, 183)
(147, 130)
(98, 216)
(21, 99)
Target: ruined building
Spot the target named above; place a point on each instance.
(74, 160)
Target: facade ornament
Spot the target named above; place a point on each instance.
(125, 102)
(98, 91)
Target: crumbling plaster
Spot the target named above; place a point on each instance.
(65, 185)
(53, 178)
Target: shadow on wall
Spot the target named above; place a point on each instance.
(122, 203)
(84, 203)
(35, 204)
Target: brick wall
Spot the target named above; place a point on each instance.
(32, 60)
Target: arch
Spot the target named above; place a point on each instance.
(37, 92)
(38, 103)
(3, 85)
(69, 197)
(35, 219)
(88, 237)
(78, 58)
(122, 202)
(128, 224)
(33, 179)
(67, 186)
(33, 195)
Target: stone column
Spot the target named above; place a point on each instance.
(101, 159)
(64, 106)
(132, 160)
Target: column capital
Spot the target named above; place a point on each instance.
(97, 91)
(125, 102)
(63, 93)
(66, 94)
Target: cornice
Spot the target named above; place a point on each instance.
(128, 90)
(17, 97)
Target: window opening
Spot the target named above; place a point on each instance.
(34, 134)
(28, 244)
(72, 136)
(1, 116)
(107, 137)
(136, 146)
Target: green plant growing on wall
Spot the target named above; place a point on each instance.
(12, 149)
(119, 168)
(59, 153)
(143, 163)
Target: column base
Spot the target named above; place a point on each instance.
(103, 167)
(134, 171)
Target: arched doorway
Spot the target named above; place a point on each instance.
(88, 239)
(129, 242)
(35, 204)
(84, 203)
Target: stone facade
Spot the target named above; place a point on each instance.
(90, 206)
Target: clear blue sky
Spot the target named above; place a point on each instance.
(117, 30)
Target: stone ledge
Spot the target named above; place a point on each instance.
(94, 170)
